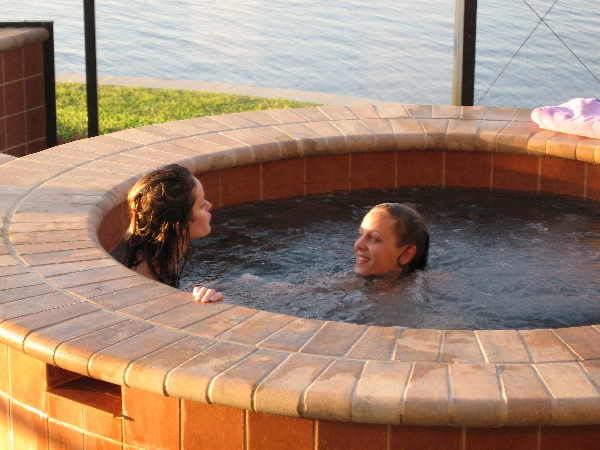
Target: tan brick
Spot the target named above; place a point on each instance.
(376, 343)
(328, 397)
(503, 346)
(476, 396)
(282, 391)
(334, 339)
(461, 346)
(544, 346)
(426, 400)
(293, 336)
(234, 386)
(379, 393)
(576, 399)
(418, 345)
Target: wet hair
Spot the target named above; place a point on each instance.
(410, 229)
(161, 207)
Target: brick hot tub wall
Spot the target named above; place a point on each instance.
(22, 102)
(95, 356)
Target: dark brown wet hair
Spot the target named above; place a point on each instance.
(410, 229)
(161, 207)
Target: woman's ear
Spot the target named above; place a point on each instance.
(407, 255)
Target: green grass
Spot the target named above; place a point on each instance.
(123, 107)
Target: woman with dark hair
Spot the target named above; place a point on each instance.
(392, 238)
(168, 211)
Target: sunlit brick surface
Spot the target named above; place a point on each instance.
(274, 381)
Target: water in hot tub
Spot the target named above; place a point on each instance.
(496, 260)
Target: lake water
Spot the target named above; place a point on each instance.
(382, 49)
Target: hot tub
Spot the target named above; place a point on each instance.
(95, 355)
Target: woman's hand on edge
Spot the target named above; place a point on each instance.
(205, 295)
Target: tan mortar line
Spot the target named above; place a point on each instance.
(355, 387)
(502, 391)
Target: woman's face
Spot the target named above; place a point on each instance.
(200, 226)
(375, 249)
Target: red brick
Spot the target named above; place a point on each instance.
(282, 179)
(102, 423)
(563, 177)
(13, 65)
(240, 184)
(95, 443)
(14, 97)
(4, 369)
(327, 173)
(18, 150)
(468, 169)
(593, 182)
(513, 438)
(1, 93)
(65, 410)
(36, 123)
(27, 379)
(34, 92)
(267, 431)
(16, 131)
(426, 438)
(28, 428)
(351, 436)
(420, 168)
(373, 170)
(574, 437)
(63, 438)
(113, 227)
(212, 187)
(4, 419)
(154, 421)
(33, 58)
(515, 172)
(211, 426)
(36, 146)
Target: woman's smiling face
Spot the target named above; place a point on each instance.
(375, 249)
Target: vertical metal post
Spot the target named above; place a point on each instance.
(465, 32)
(91, 72)
(50, 87)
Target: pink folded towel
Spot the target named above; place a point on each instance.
(580, 116)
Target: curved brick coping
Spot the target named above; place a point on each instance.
(65, 301)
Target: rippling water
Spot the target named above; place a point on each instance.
(389, 50)
(497, 260)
